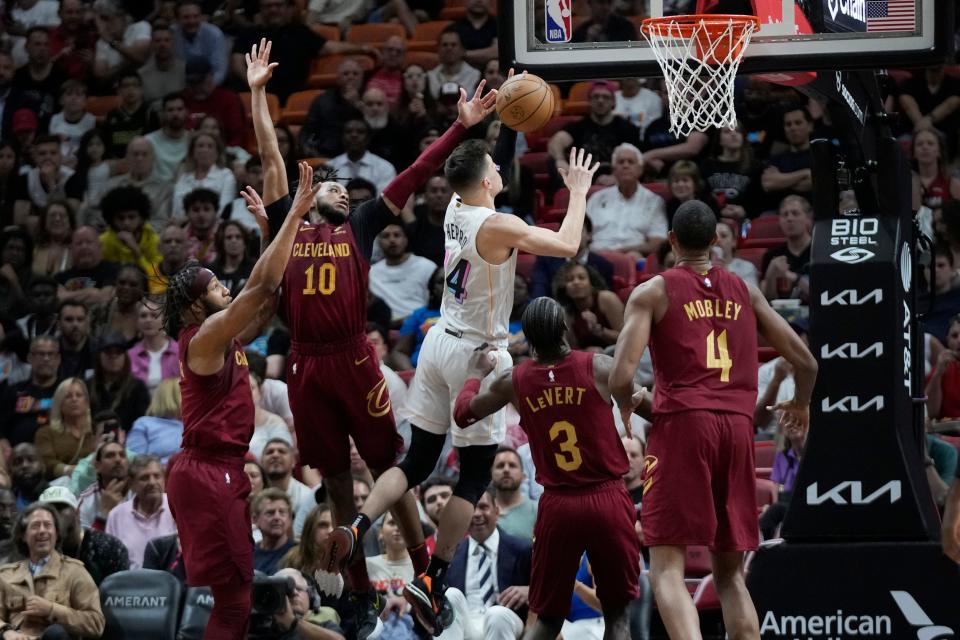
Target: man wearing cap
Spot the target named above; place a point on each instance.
(101, 553)
(453, 67)
(24, 126)
(204, 98)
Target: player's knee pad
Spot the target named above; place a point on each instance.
(421, 458)
(476, 463)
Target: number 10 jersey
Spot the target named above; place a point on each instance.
(477, 296)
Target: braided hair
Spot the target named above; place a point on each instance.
(544, 325)
(178, 298)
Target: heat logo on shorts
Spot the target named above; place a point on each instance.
(378, 401)
(649, 464)
(559, 27)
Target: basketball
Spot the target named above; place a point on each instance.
(525, 103)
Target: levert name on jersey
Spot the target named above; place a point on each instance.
(712, 308)
(321, 250)
(555, 396)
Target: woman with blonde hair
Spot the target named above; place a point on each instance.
(69, 435)
(204, 168)
(160, 431)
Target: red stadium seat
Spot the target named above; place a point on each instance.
(763, 453)
(623, 266)
(766, 354)
(426, 59)
(624, 294)
(425, 35)
(697, 563)
(761, 243)
(537, 140)
(375, 32)
(765, 227)
(273, 105)
(762, 473)
(705, 598)
(525, 262)
(754, 255)
(537, 161)
(767, 493)
(659, 188)
(298, 105)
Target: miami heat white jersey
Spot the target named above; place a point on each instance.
(478, 296)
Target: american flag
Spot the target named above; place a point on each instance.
(891, 15)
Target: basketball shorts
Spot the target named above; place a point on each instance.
(699, 482)
(208, 499)
(598, 519)
(441, 373)
(336, 390)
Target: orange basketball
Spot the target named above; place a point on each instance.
(525, 103)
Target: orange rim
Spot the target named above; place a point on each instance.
(712, 22)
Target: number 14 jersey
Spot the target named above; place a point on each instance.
(478, 296)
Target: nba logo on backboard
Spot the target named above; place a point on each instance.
(559, 21)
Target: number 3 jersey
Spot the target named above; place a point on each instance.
(704, 349)
(478, 296)
(573, 438)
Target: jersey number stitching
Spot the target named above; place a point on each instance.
(326, 280)
(724, 363)
(457, 281)
(569, 459)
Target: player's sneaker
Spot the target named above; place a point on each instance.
(340, 549)
(428, 604)
(366, 611)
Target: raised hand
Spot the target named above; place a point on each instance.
(478, 107)
(578, 175)
(306, 191)
(792, 415)
(480, 362)
(259, 67)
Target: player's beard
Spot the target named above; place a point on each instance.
(331, 214)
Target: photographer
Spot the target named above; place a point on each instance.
(295, 622)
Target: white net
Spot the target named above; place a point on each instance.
(700, 56)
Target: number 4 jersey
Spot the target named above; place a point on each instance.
(704, 349)
(573, 438)
(478, 295)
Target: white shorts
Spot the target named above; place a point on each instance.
(441, 373)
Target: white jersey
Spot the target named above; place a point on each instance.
(478, 296)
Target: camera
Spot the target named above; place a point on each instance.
(268, 598)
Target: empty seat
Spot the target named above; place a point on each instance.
(142, 604)
(298, 105)
(765, 227)
(753, 255)
(763, 453)
(425, 35)
(375, 32)
(767, 493)
(273, 105)
(624, 266)
(196, 612)
(525, 262)
(697, 562)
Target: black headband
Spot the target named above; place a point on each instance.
(198, 286)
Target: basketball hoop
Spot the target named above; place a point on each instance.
(699, 55)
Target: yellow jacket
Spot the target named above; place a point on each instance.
(116, 251)
(64, 582)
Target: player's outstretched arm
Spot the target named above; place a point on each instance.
(472, 405)
(511, 231)
(470, 112)
(259, 72)
(218, 330)
(602, 366)
(638, 320)
(788, 344)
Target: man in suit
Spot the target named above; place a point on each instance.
(545, 268)
(488, 580)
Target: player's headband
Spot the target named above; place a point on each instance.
(198, 286)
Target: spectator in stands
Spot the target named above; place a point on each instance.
(415, 326)
(784, 268)
(401, 278)
(517, 345)
(932, 99)
(46, 180)
(201, 209)
(272, 512)
(73, 120)
(278, 461)
(943, 386)
(425, 227)
(106, 428)
(775, 384)
(164, 73)
(90, 280)
(357, 161)
(662, 148)
(164, 554)
(69, 594)
(946, 286)
(604, 25)
(637, 104)
(39, 79)
(267, 426)
(13, 360)
(8, 515)
(132, 118)
(329, 112)
(26, 474)
(434, 494)
(172, 141)
(236, 156)
(788, 173)
(786, 463)
(112, 487)
(195, 37)
(86, 186)
(123, 44)
(633, 478)
(388, 139)
(316, 527)
(725, 255)
(338, 13)
(113, 387)
(598, 133)
(173, 248)
(388, 77)
(129, 238)
(256, 476)
(294, 46)
(52, 251)
(932, 183)
(73, 320)
(237, 211)
(496, 608)
(273, 392)
(453, 67)
(594, 314)
(733, 176)
(25, 406)
(627, 217)
(478, 33)
(517, 512)
(140, 174)
(204, 170)
(416, 105)
(72, 43)
(154, 357)
(16, 256)
(26, 128)
(102, 554)
(69, 436)
(160, 430)
(14, 98)
(304, 616)
(232, 266)
(42, 301)
(389, 573)
(9, 174)
(120, 314)
(204, 98)
(135, 522)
